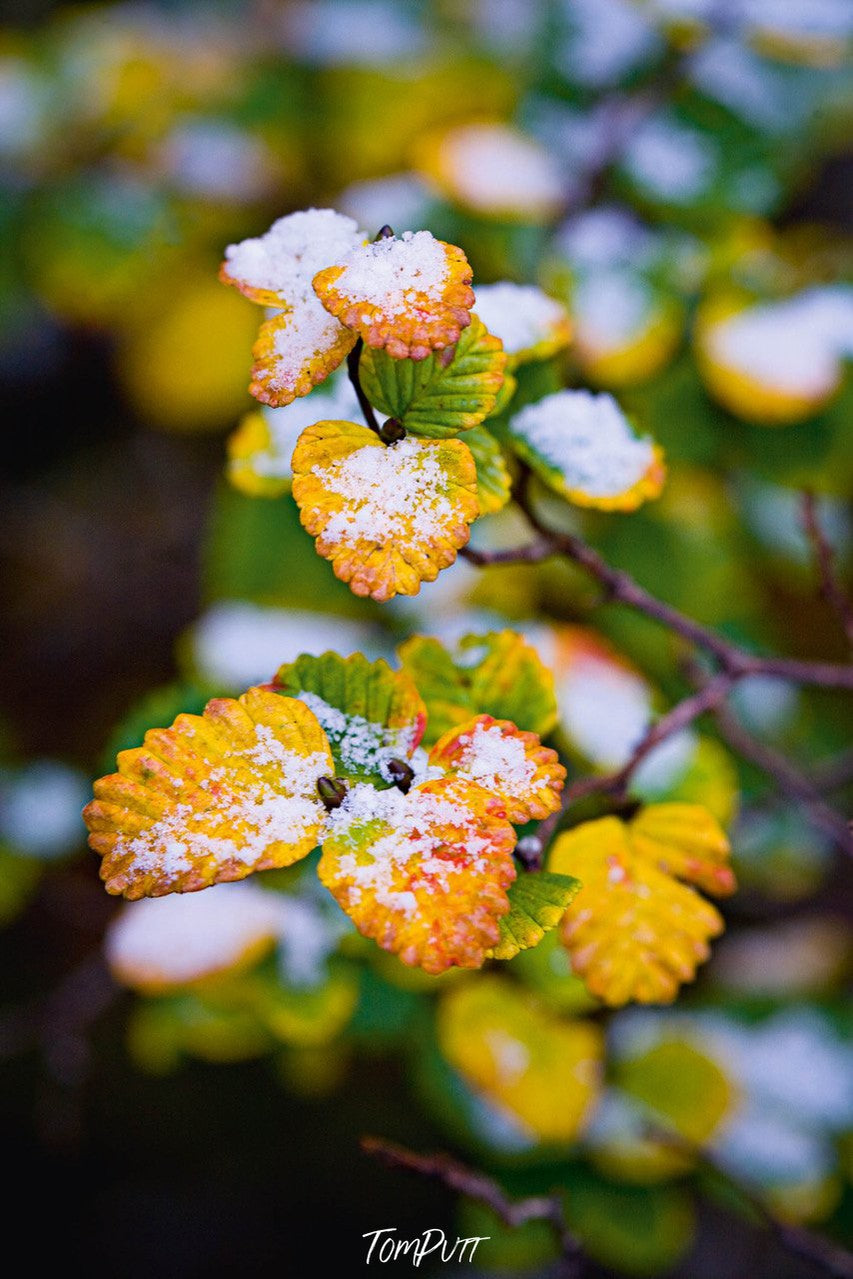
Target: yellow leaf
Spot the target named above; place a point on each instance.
(411, 296)
(295, 351)
(424, 874)
(503, 759)
(544, 1070)
(772, 392)
(684, 840)
(387, 516)
(686, 1088)
(215, 797)
(633, 931)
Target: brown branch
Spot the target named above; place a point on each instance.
(826, 1255)
(619, 586)
(532, 554)
(787, 777)
(476, 1185)
(831, 589)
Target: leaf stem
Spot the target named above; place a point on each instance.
(353, 362)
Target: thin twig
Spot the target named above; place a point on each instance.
(532, 554)
(476, 1185)
(831, 589)
(826, 1255)
(353, 361)
(621, 587)
(787, 777)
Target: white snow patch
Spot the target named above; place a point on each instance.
(394, 274)
(494, 168)
(673, 162)
(40, 809)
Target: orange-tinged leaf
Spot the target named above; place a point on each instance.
(215, 797)
(686, 841)
(424, 874)
(503, 759)
(544, 1070)
(411, 296)
(634, 932)
(387, 516)
(295, 351)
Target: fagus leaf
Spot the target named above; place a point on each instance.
(537, 903)
(434, 397)
(498, 674)
(635, 932)
(370, 714)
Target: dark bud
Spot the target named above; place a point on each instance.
(392, 430)
(401, 774)
(386, 233)
(332, 791)
(528, 850)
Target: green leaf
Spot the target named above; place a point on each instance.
(498, 674)
(537, 902)
(432, 398)
(370, 713)
(494, 481)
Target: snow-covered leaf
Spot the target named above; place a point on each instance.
(531, 325)
(387, 516)
(513, 764)
(370, 714)
(215, 797)
(424, 874)
(582, 445)
(410, 295)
